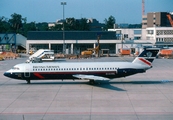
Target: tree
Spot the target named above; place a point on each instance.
(57, 27)
(15, 22)
(109, 23)
(84, 25)
(27, 27)
(42, 26)
(135, 26)
(4, 25)
(73, 24)
(70, 24)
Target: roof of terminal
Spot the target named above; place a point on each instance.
(71, 35)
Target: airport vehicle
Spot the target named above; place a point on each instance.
(92, 71)
(91, 51)
(32, 51)
(166, 53)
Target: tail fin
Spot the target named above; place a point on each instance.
(147, 56)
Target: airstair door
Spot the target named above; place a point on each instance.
(27, 71)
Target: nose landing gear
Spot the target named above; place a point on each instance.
(28, 81)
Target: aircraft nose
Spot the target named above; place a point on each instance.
(6, 74)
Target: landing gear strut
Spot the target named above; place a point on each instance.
(92, 82)
(28, 81)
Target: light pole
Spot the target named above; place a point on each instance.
(63, 3)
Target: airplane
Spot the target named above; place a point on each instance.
(92, 71)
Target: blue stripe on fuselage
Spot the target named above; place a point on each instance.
(69, 75)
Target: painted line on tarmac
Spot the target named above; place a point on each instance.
(88, 113)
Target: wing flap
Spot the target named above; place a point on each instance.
(90, 77)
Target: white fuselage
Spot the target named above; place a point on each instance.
(66, 70)
(83, 70)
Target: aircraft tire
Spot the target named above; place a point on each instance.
(28, 81)
(92, 82)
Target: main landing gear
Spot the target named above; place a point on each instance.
(92, 82)
(28, 81)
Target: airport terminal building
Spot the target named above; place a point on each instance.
(114, 39)
(77, 41)
(74, 41)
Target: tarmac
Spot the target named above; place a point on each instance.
(146, 96)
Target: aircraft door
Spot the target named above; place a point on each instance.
(27, 70)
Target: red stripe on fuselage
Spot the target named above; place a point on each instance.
(145, 61)
(38, 75)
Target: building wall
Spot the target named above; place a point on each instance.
(133, 34)
(162, 36)
(150, 20)
(158, 19)
(70, 44)
(8, 42)
(21, 40)
(164, 20)
(144, 21)
(143, 34)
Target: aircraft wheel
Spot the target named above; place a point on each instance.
(28, 81)
(92, 82)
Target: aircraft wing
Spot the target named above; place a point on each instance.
(90, 77)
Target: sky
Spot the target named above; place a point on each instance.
(124, 11)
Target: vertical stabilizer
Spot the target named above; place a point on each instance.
(147, 56)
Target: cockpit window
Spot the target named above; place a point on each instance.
(15, 68)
